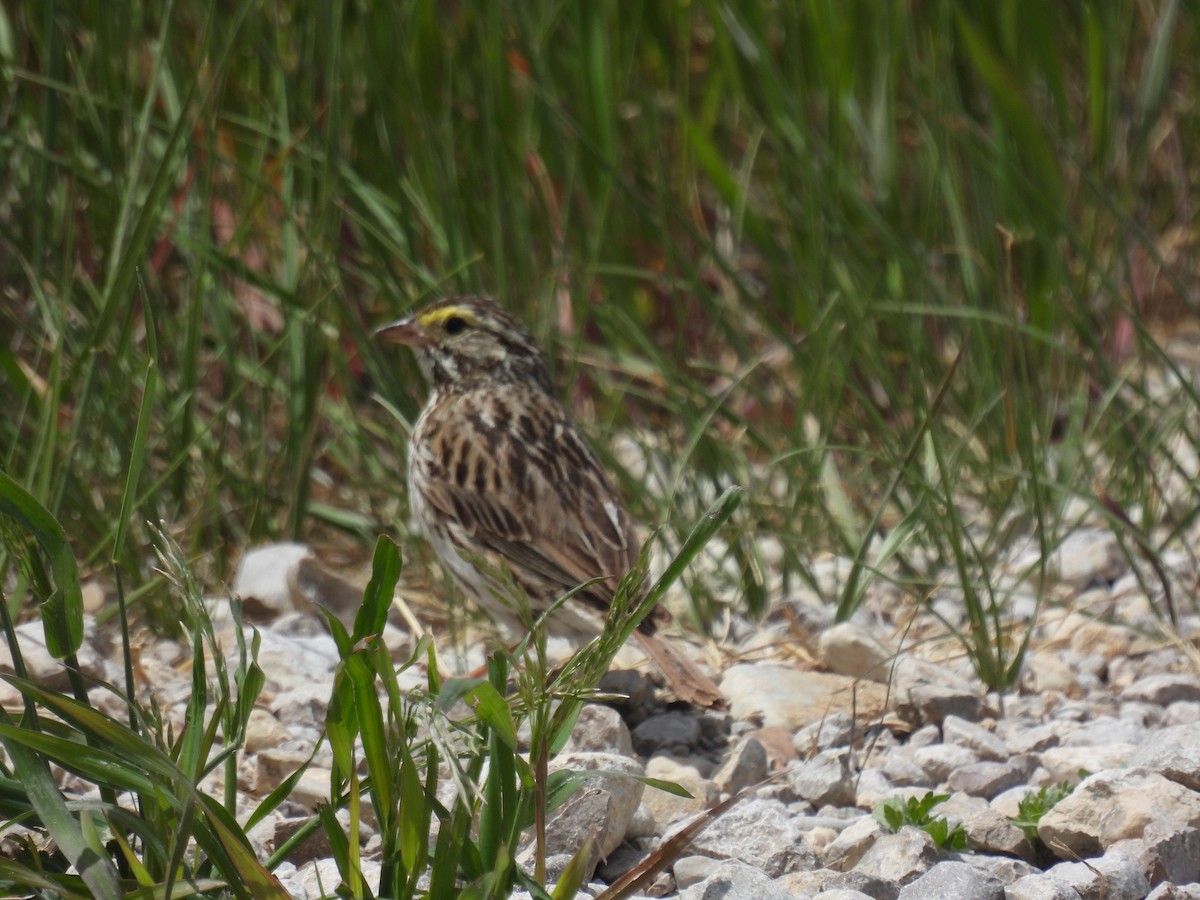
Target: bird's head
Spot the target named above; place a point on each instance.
(464, 341)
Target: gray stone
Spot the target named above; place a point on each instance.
(1040, 887)
(1112, 876)
(265, 580)
(1175, 753)
(825, 779)
(302, 703)
(1046, 672)
(835, 730)
(903, 769)
(630, 684)
(1147, 715)
(958, 806)
(939, 760)
(585, 816)
(44, 669)
(1184, 712)
(600, 729)
(297, 661)
(901, 857)
(264, 731)
(669, 731)
(1175, 892)
(862, 883)
(873, 787)
(759, 833)
(1105, 731)
(986, 745)
(733, 881)
(1033, 740)
(1170, 853)
(1005, 868)
(689, 870)
(1164, 689)
(926, 692)
(987, 779)
(315, 876)
(844, 851)
(990, 832)
(745, 765)
(954, 879)
(314, 586)
(805, 884)
(1008, 802)
(601, 809)
(1065, 763)
(925, 736)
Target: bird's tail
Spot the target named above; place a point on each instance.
(686, 679)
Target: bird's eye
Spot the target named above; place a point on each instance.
(456, 325)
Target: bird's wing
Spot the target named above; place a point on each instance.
(554, 515)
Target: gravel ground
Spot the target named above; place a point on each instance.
(823, 723)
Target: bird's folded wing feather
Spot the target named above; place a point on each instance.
(576, 531)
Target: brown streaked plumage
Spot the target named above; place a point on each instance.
(498, 471)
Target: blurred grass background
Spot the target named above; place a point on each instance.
(901, 268)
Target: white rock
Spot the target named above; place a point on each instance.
(1112, 805)
(43, 669)
(787, 697)
(319, 876)
(664, 808)
(265, 576)
(1085, 556)
(849, 648)
(263, 730)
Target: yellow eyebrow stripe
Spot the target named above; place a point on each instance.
(437, 317)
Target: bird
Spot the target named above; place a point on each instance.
(499, 474)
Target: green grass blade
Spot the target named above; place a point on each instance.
(62, 615)
(377, 599)
(91, 861)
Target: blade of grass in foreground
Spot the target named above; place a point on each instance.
(89, 858)
(62, 613)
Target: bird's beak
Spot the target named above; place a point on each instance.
(404, 331)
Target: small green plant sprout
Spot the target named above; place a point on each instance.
(1036, 804)
(896, 812)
